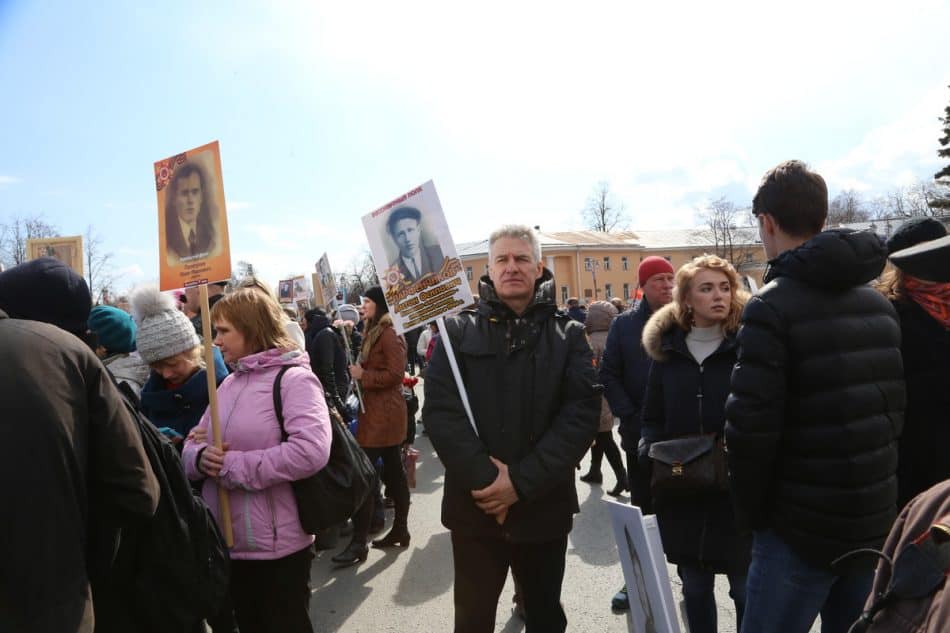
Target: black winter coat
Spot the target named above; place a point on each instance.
(328, 361)
(624, 369)
(531, 385)
(924, 450)
(686, 398)
(817, 400)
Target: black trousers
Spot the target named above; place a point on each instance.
(273, 596)
(639, 478)
(481, 567)
(394, 476)
(604, 445)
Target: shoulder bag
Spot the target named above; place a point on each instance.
(336, 492)
(689, 465)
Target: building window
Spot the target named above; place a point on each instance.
(608, 291)
(468, 272)
(626, 292)
(587, 263)
(624, 264)
(606, 263)
(563, 294)
(588, 293)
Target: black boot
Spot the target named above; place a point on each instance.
(592, 478)
(354, 553)
(621, 487)
(397, 537)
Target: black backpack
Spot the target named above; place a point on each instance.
(172, 571)
(336, 492)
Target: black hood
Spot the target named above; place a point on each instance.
(543, 301)
(46, 290)
(834, 260)
(318, 323)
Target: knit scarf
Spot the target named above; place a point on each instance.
(374, 333)
(934, 297)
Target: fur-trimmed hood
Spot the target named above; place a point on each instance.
(662, 322)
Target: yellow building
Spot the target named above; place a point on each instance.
(592, 265)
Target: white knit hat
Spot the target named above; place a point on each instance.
(163, 330)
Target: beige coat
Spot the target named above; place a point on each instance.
(599, 317)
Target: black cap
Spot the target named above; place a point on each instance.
(47, 290)
(376, 295)
(929, 261)
(915, 231)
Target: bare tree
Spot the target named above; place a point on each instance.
(920, 199)
(730, 231)
(14, 234)
(100, 268)
(243, 270)
(604, 212)
(847, 207)
(358, 278)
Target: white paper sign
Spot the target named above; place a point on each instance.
(416, 260)
(652, 609)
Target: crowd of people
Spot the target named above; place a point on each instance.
(775, 436)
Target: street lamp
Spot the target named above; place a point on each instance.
(592, 266)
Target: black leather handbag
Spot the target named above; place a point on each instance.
(336, 492)
(689, 465)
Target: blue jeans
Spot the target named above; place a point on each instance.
(785, 594)
(700, 597)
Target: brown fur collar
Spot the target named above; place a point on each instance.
(374, 333)
(662, 321)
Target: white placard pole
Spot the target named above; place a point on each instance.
(447, 342)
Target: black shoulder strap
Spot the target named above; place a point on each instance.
(278, 402)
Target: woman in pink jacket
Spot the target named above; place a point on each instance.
(270, 560)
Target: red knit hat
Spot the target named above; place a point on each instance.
(652, 265)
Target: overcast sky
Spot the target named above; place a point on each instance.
(325, 111)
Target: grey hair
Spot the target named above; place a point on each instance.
(519, 232)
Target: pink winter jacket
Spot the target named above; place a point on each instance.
(258, 467)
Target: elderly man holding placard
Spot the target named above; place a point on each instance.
(509, 482)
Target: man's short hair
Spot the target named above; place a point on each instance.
(795, 197)
(402, 213)
(518, 232)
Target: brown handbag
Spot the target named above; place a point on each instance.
(689, 465)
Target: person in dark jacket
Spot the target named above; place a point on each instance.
(692, 342)
(623, 372)
(575, 310)
(327, 358)
(71, 452)
(921, 296)
(815, 409)
(509, 494)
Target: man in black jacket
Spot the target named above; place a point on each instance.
(509, 489)
(70, 451)
(623, 372)
(815, 410)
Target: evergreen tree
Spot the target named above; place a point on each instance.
(942, 177)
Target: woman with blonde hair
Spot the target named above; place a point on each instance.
(692, 342)
(270, 560)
